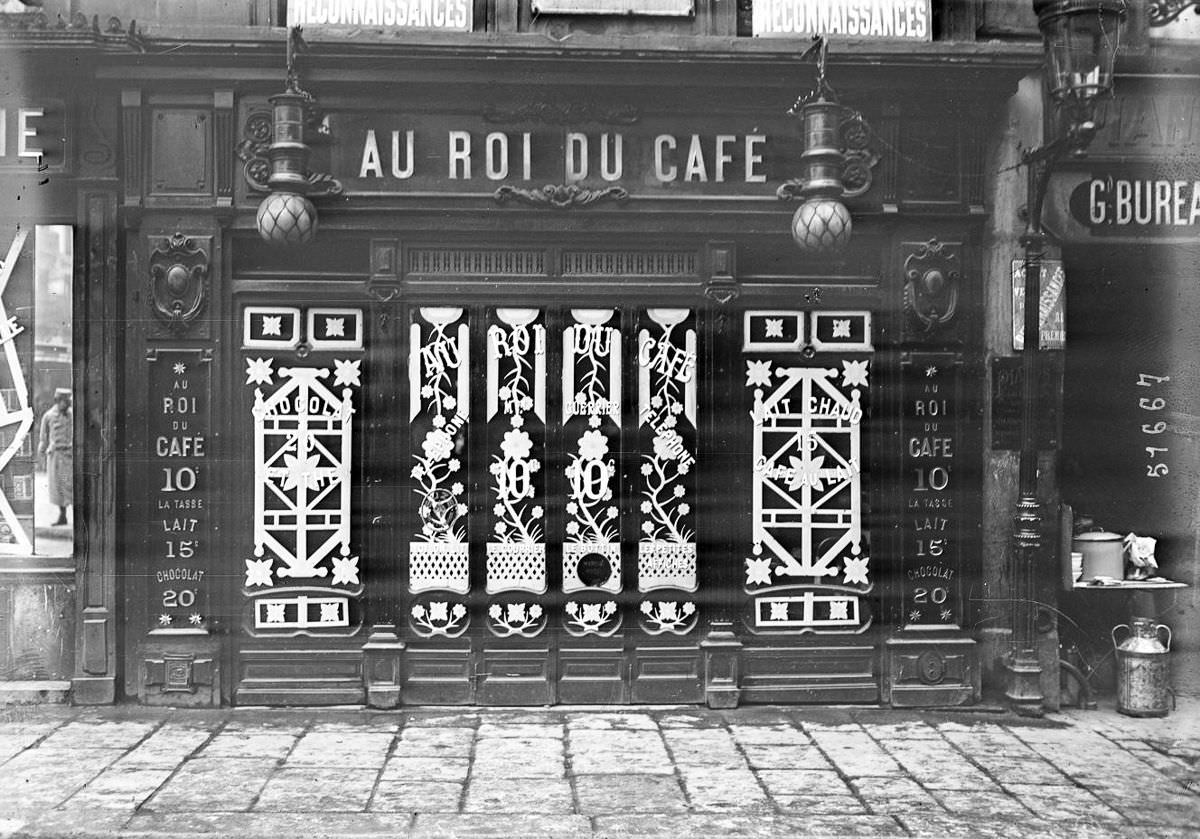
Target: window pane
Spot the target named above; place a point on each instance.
(52, 439)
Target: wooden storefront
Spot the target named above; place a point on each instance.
(552, 409)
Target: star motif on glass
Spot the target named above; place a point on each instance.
(258, 371)
(301, 471)
(758, 571)
(806, 474)
(347, 373)
(774, 328)
(758, 373)
(854, 373)
(854, 570)
(272, 325)
(345, 570)
(258, 572)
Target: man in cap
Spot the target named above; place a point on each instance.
(56, 441)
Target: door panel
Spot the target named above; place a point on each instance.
(303, 578)
(807, 589)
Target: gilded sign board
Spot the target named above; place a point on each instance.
(903, 19)
(377, 154)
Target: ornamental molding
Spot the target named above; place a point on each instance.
(178, 282)
(561, 196)
(36, 29)
(931, 287)
(1163, 12)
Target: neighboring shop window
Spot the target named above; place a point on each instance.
(37, 507)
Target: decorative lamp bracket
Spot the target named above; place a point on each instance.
(1163, 12)
(859, 161)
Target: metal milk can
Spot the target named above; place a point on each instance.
(1142, 669)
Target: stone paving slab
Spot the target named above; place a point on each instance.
(417, 797)
(607, 773)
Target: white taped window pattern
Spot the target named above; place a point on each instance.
(591, 431)
(807, 491)
(302, 451)
(516, 396)
(439, 387)
(665, 479)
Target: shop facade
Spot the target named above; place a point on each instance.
(552, 408)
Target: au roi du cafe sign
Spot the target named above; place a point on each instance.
(388, 152)
(888, 19)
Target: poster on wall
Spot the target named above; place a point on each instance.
(1052, 333)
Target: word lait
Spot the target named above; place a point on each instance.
(608, 156)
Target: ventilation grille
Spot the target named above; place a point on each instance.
(629, 263)
(474, 263)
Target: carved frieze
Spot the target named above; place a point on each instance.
(560, 196)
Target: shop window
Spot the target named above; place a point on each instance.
(578, 428)
(36, 417)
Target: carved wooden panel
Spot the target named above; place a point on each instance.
(180, 152)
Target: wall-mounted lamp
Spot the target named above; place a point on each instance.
(835, 164)
(287, 216)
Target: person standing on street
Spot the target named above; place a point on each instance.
(56, 441)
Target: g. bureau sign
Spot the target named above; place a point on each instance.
(1124, 201)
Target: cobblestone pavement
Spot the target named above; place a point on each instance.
(606, 772)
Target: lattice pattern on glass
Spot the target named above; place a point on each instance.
(302, 451)
(807, 514)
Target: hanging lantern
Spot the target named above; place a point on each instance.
(822, 224)
(286, 216)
